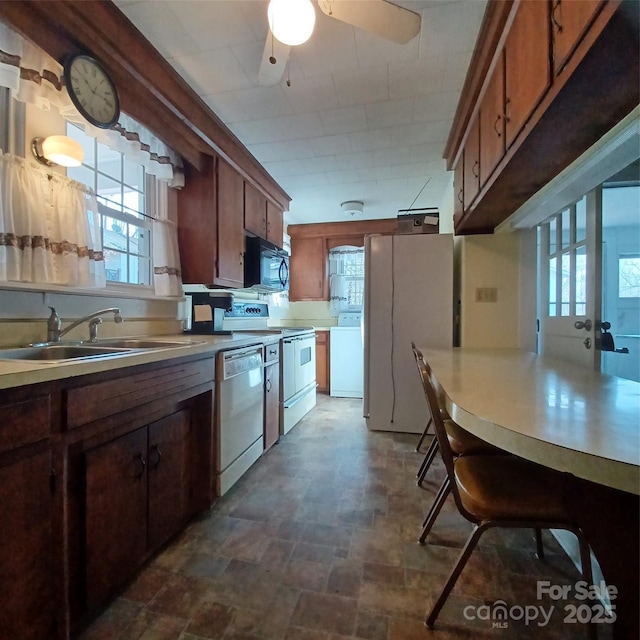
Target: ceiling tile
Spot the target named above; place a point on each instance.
(437, 106)
(311, 94)
(372, 49)
(370, 140)
(249, 104)
(361, 86)
(331, 145)
(389, 112)
(283, 168)
(291, 150)
(320, 165)
(343, 176)
(303, 125)
(258, 131)
(344, 120)
(417, 77)
(355, 160)
(457, 65)
(214, 71)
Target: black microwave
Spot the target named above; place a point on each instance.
(266, 267)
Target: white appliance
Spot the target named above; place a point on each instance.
(298, 361)
(346, 356)
(408, 297)
(239, 436)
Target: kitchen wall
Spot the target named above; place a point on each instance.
(24, 308)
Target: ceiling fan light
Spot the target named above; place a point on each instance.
(291, 21)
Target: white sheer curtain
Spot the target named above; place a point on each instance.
(36, 78)
(167, 278)
(45, 231)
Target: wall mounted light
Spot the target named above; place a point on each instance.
(58, 150)
(291, 21)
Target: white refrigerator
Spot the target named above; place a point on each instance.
(408, 298)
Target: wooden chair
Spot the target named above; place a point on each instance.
(462, 442)
(499, 491)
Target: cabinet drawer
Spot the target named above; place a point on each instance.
(24, 422)
(95, 401)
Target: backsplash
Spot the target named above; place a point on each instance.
(23, 316)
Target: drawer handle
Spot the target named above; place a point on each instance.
(143, 463)
(556, 24)
(495, 127)
(473, 169)
(158, 453)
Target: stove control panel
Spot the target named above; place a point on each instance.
(248, 310)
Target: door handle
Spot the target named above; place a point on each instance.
(587, 325)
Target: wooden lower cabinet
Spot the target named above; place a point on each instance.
(322, 361)
(27, 580)
(136, 498)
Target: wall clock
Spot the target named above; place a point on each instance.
(92, 91)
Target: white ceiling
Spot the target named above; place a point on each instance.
(364, 118)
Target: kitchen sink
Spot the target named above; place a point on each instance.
(54, 353)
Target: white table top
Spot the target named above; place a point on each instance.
(546, 410)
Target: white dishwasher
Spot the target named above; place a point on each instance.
(240, 411)
(346, 357)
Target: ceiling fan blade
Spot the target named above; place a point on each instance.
(377, 16)
(271, 73)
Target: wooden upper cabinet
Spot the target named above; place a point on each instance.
(274, 224)
(255, 211)
(308, 268)
(492, 144)
(458, 189)
(230, 263)
(570, 20)
(527, 64)
(471, 164)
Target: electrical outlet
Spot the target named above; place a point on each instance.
(486, 294)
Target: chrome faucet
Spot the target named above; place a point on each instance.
(54, 324)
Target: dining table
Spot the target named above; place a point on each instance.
(566, 417)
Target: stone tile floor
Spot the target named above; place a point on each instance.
(318, 542)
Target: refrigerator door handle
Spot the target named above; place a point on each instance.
(366, 325)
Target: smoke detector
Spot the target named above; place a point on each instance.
(352, 208)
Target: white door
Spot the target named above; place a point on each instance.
(590, 278)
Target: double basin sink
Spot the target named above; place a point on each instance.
(57, 352)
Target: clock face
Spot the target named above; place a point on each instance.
(92, 91)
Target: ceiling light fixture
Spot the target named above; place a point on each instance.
(352, 208)
(291, 21)
(58, 150)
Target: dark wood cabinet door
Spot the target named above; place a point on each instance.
(116, 513)
(274, 224)
(308, 267)
(272, 405)
(472, 164)
(26, 579)
(492, 145)
(458, 189)
(322, 361)
(255, 211)
(570, 20)
(168, 477)
(230, 242)
(527, 64)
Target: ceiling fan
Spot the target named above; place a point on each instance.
(380, 17)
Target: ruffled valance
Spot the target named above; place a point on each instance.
(36, 78)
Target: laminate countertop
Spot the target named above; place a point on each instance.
(15, 373)
(546, 410)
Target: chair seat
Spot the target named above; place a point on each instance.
(509, 488)
(464, 443)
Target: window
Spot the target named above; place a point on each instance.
(629, 276)
(349, 263)
(120, 185)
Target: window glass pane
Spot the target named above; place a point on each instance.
(565, 221)
(140, 269)
(552, 286)
(553, 236)
(629, 277)
(115, 234)
(133, 174)
(565, 284)
(110, 190)
(109, 162)
(133, 202)
(115, 265)
(83, 174)
(88, 145)
(581, 281)
(581, 219)
(138, 240)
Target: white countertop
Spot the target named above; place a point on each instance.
(546, 410)
(15, 373)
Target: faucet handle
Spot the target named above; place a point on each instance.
(93, 329)
(54, 324)
(117, 318)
